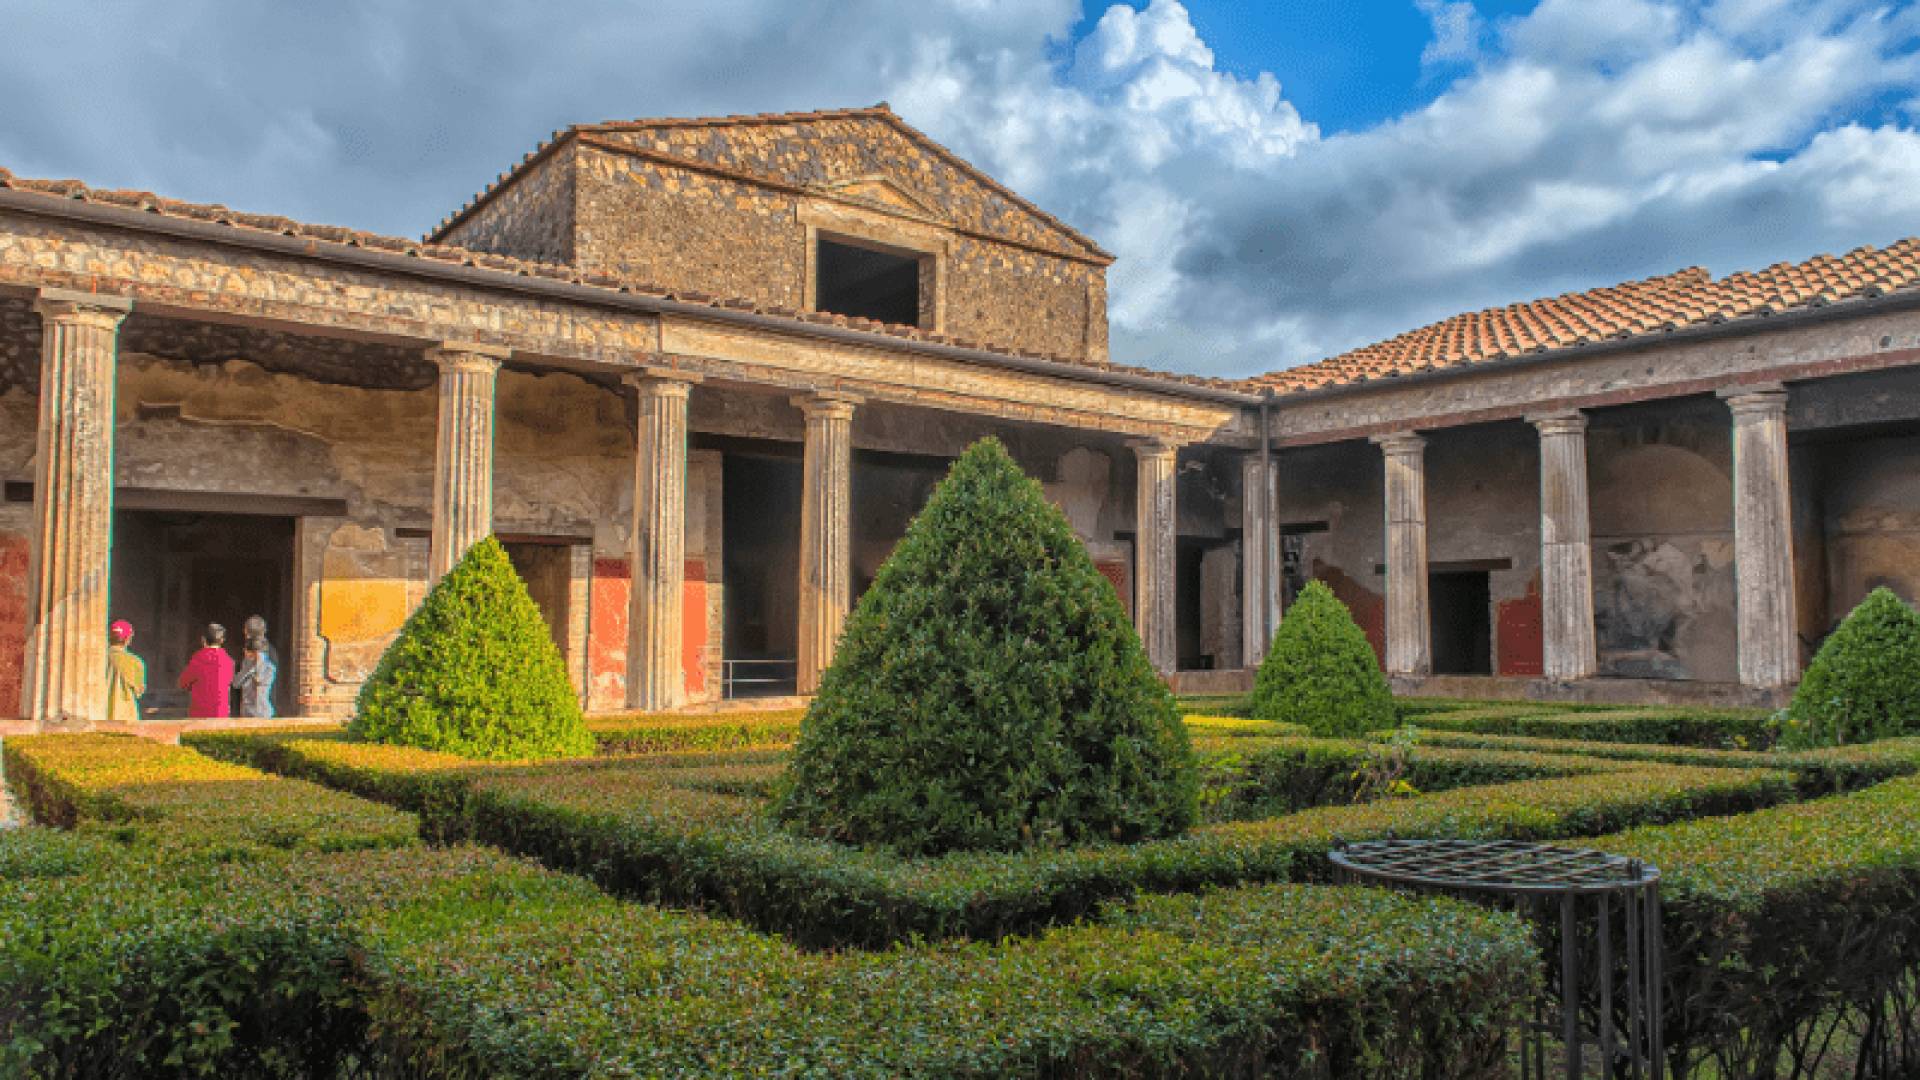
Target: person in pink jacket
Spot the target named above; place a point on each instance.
(209, 676)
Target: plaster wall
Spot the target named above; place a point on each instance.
(1871, 512)
(1662, 516)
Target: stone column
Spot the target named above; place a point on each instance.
(1409, 629)
(1566, 549)
(66, 676)
(1769, 651)
(658, 552)
(1259, 559)
(1156, 524)
(463, 452)
(826, 531)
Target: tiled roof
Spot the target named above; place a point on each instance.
(881, 112)
(1636, 309)
(214, 213)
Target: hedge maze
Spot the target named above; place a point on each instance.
(292, 903)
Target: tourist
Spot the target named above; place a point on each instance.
(255, 678)
(126, 675)
(255, 629)
(209, 676)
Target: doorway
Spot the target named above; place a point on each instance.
(761, 563)
(173, 572)
(547, 569)
(1461, 602)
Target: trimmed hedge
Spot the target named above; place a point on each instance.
(1247, 777)
(989, 692)
(1731, 729)
(1202, 726)
(67, 780)
(670, 835)
(1864, 683)
(1320, 671)
(474, 671)
(658, 733)
(1784, 924)
(1305, 982)
(1816, 772)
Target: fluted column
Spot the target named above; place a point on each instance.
(1769, 651)
(66, 676)
(1259, 559)
(826, 531)
(658, 552)
(1156, 524)
(1409, 626)
(1566, 549)
(463, 451)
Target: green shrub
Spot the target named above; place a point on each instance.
(1824, 771)
(475, 672)
(1864, 683)
(1320, 671)
(1725, 729)
(1314, 983)
(180, 796)
(653, 734)
(1787, 926)
(989, 692)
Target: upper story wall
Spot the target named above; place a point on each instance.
(737, 210)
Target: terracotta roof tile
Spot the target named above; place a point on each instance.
(1633, 309)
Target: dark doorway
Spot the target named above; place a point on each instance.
(867, 283)
(761, 566)
(1461, 602)
(1190, 651)
(174, 572)
(547, 568)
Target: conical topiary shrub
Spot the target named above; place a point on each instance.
(1864, 683)
(989, 692)
(474, 672)
(1321, 672)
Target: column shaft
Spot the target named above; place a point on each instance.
(1259, 559)
(1769, 650)
(658, 553)
(1566, 549)
(463, 452)
(826, 531)
(72, 508)
(1156, 524)
(1409, 626)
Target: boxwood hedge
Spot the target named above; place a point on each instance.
(1743, 729)
(73, 778)
(1793, 935)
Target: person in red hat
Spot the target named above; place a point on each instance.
(209, 676)
(126, 675)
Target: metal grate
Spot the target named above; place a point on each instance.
(1600, 913)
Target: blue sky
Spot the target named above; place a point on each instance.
(1281, 180)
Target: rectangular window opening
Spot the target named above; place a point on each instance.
(867, 282)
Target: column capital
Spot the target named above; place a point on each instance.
(67, 305)
(1400, 443)
(827, 404)
(662, 382)
(1762, 400)
(1571, 422)
(468, 356)
(1146, 449)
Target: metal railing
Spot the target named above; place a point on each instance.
(760, 678)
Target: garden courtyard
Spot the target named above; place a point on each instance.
(993, 845)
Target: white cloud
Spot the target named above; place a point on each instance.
(1580, 144)
(1456, 31)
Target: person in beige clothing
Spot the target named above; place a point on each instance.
(126, 675)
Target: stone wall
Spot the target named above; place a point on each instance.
(1871, 512)
(532, 218)
(999, 274)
